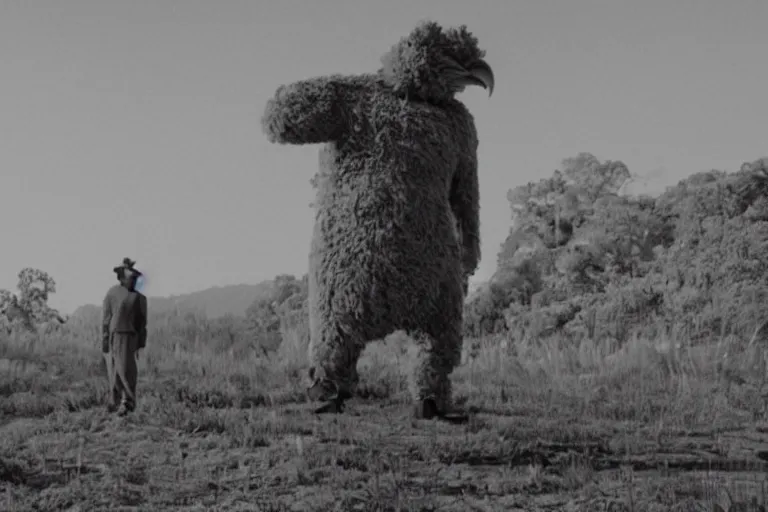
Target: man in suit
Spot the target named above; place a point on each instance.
(124, 333)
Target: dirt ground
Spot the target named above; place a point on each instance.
(535, 442)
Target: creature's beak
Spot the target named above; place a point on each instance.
(480, 73)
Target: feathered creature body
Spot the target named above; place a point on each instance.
(396, 233)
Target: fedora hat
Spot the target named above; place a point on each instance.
(127, 264)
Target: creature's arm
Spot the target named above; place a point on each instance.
(465, 202)
(106, 314)
(309, 111)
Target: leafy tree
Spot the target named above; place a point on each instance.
(538, 207)
(591, 179)
(695, 258)
(625, 231)
(484, 311)
(267, 316)
(29, 307)
(547, 213)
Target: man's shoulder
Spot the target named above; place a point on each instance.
(139, 298)
(114, 290)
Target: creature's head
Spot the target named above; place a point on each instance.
(434, 65)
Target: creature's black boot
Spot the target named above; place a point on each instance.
(334, 401)
(427, 409)
(334, 406)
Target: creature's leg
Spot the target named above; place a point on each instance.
(434, 362)
(124, 350)
(335, 340)
(333, 356)
(438, 345)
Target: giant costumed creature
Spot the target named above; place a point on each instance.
(396, 233)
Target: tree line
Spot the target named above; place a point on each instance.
(583, 259)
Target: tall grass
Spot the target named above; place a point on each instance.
(197, 379)
(191, 352)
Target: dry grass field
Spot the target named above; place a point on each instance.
(644, 428)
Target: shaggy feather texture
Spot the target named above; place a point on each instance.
(398, 176)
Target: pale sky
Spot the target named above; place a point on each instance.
(133, 128)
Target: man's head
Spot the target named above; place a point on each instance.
(126, 274)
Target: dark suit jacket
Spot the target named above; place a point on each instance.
(124, 311)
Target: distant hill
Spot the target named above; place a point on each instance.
(213, 302)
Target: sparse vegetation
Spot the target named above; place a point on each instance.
(28, 309)
(616, 361)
